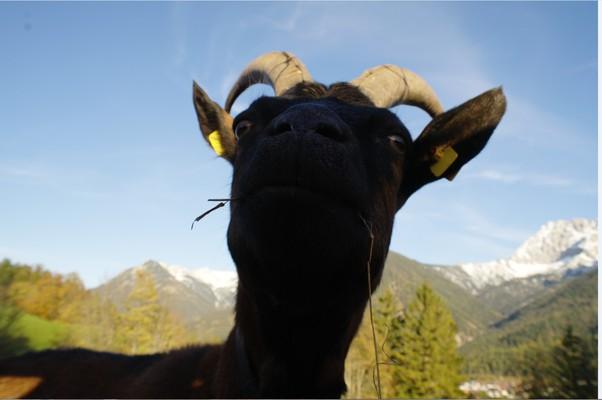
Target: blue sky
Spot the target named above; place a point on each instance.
(102, 165)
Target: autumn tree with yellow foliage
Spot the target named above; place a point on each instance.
(360, 373)
(142, 325)
(145, 326)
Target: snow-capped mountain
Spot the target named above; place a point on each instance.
(559, 249)
(202, 298)
(222, 282)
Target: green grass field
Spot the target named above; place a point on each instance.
(40, 333)
(21, 332)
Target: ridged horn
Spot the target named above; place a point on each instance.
(389, 85)
(279, 69)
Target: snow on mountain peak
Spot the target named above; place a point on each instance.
(557, 240)
(217, 279)
(221, 283)
(557, 247)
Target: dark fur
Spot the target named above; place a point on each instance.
(316, 166)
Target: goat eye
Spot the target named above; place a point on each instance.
(242, 127)
(397, 141)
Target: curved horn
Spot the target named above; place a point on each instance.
(279, 69)
(389, 85)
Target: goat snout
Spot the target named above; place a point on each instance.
(311, 119)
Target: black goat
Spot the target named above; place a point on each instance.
(319, 173)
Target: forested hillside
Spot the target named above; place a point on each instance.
(403, 276)
(203, 309)
(537, 325)
(40, 310)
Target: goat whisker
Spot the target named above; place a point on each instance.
(376, 382)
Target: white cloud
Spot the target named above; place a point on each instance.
(226, 83)
(579, 68)
(5, 252)
(290, 23)
(460, 233)
(76, 182)
(528, 122)
(531, 178)
(178, 26)
(550, 180)
(262, 19)
(492, 248)
(493, 175)
(478, 224)
(23, 172)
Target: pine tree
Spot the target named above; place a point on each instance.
(569, 370)
(424, 350)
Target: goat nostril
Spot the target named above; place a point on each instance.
(283, 127)
(329, 130)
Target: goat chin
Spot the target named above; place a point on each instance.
(303, 224)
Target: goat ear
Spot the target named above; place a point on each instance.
(452, 139)
(215, 123)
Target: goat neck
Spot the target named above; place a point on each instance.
(278, 352)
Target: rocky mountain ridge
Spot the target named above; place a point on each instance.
(221, 282)
(202, 299)
(479, 294)
(559, 249)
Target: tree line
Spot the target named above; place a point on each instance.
(418, 356)
(417, 345)
(141, 325)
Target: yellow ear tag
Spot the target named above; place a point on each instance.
(216, 143)
(445, 157)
